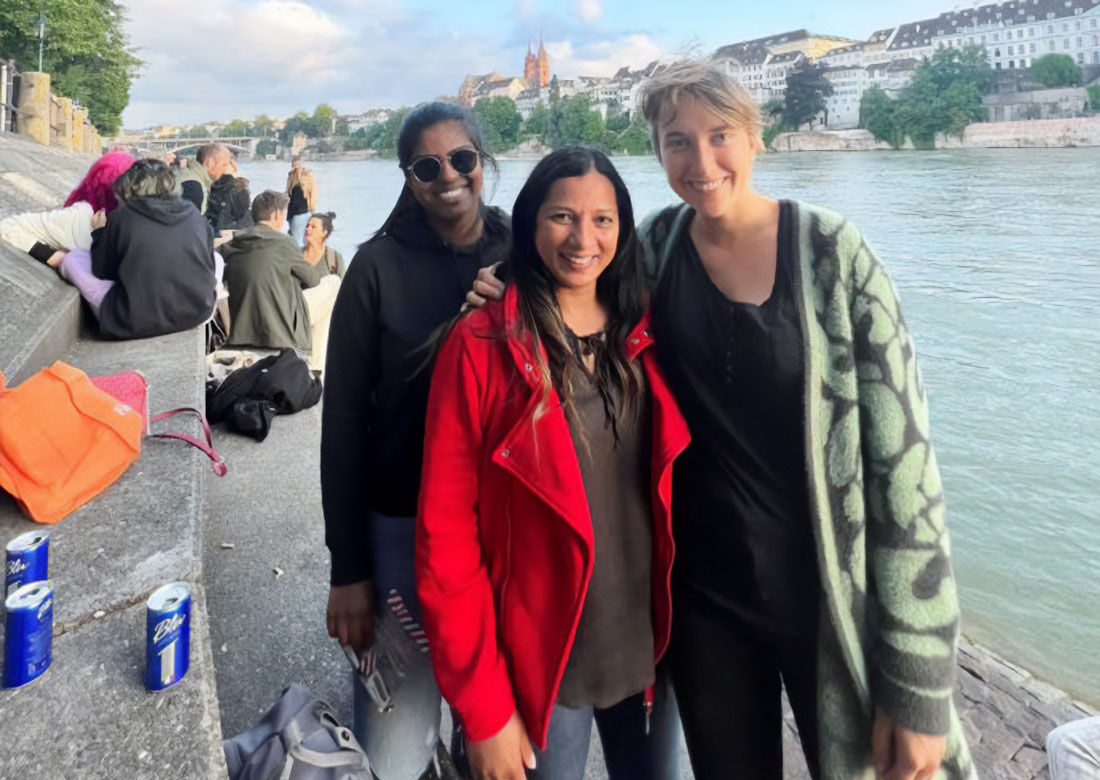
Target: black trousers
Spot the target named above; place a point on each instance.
(728, 681)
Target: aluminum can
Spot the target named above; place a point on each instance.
(167, 635)
(27, 560)
(28, 633)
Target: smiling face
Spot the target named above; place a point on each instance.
(577, 230)
(452, 195)
(708, 162)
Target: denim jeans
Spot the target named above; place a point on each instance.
(629, 753)
(1073, 750)
(401, 742)
(298, 228)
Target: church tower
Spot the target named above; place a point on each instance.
(530, 67)
(543, 64)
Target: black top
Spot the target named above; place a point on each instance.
(612, 653)
(298, 204)
(191, 191)
(399, 288)
(741, 493)
(229, 204)
(161, 253)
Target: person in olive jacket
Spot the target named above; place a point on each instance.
(265, 274)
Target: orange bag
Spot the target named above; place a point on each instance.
(63, 441)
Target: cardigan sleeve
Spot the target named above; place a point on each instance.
(452, 579)
(916, 613)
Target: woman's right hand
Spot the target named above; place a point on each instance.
(99, 219)
(487, 287)
(350, 615)
(503, 755)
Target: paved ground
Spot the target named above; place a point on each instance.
(267, 628)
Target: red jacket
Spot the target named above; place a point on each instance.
(504, 545)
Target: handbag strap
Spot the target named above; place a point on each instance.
(207, 447)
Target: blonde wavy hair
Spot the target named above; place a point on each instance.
(706, 80)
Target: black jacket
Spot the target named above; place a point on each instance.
(161, 253)
(228, 207)
(399, 288)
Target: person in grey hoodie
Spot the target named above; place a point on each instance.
(151, 268)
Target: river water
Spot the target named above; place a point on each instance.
(996, 255)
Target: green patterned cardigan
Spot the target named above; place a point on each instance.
(890, 613)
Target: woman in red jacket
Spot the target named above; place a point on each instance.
(544, 541)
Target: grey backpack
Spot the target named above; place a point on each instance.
(297, 739)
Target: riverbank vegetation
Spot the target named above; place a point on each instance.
(565, 121)
(85, 50)
(943, 96)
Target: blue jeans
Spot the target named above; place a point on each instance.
(399, 743)
(298, 228)
(629, 753)
(1073, 750)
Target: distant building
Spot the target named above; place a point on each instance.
(762, 64)
(536, 68)
(1016, 33)
(369, 118)
(470, 85)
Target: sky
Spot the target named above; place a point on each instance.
(218, 60)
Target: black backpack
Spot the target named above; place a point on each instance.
(249, 398)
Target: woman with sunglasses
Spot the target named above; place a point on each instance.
(400, 287)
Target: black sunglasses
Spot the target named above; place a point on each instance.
(427, 169)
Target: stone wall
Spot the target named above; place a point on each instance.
(1080, 131)
(53, 121)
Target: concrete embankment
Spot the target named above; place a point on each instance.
(263, 598)
(1037, 133)
(89, 716)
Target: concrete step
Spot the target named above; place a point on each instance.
(91, 717)
(36, 178)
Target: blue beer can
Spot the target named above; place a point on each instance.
(167, 635)
(28, 633)
(27, 560)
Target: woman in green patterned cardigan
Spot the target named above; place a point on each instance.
(808, 515)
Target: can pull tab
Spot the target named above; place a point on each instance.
(648, 705)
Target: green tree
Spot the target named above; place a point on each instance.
(1056, 70)
(263, 126)
(266, 146)
(539, 120)
(555, 89)
(569, 118)
(235, 129)
(323, 119)
(878, 113)
(1094, 97)
(357, 140)
(500, 120)
(804, 99)
(85, 51)
(383, 136)
(944, 94)
(195, 131)
(300, 122)
(342, 128)
(636, 139)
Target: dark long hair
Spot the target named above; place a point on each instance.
(621, 286)
(420, 119)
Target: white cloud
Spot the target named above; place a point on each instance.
(226, 59)
(604, 57)
(589, 10)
